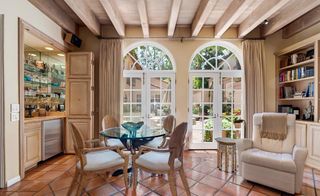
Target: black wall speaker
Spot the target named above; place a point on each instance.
(73, 39)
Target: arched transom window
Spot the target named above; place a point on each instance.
(147, 57)
(215, 57)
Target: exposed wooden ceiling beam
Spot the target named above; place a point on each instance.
(294, 10)
(266, 9)
(302, 23)
(114, 16)
(233, 12)
(53, 11)
(142, 8)
(85, 14)
(202, 15)
(175, 9)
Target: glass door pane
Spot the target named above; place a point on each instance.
(231, 106)
(160, 102)
(203, 117)
(133, 99)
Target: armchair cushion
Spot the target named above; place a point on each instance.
(99, 160)
(279, 161)
(156, 161)
(113, 143)
(155, 143)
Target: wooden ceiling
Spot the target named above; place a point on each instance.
(246, 15)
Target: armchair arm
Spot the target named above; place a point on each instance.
(242, 145)
(299, 155)
(165, 142)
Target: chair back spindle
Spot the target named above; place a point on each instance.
(79, 145)
(109, 122)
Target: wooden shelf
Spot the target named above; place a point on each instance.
(296, 99)
(298, 80)
(298, 64)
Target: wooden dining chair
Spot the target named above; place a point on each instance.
(109, 122)
(164, 161)
(95, 160)
(169, 123)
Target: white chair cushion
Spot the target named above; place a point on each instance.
(113, 143)
(99, 160)
(278, 161)
(157, 161)
(155, 143)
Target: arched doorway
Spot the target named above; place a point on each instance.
(215, 94)
(149, 83)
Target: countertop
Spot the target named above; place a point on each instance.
(42, 118)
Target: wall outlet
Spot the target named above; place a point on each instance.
(14, 116)
(15, 107)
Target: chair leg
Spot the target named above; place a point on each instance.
(81, 183)
(135, 174)
(74, 182)
(125, 173)
(184, 181)
(172, 183)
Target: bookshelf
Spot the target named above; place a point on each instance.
(297, 80)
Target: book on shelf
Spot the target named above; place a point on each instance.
(296, 74)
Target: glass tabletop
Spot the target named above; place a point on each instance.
(142, 133)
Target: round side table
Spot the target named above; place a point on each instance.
(226, 149)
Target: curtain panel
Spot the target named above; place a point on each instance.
(110, 71)
(254, 65)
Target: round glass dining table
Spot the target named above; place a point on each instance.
(133, 139)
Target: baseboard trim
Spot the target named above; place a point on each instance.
(12, 181)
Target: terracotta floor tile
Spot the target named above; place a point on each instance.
(190, 164)
(103, 190)
(154, 182)
(255, 193)
(307, 182)
(190, 182)
(34, 175)
(307, 191)
(318, 192)
(139, 190)
(62, 167)
(45, 191)
(44, 167)
(143, 175)
(266, 190)
(27, 186)
(317, 184)
(95, 183)
(203, 168)
(213, 182)
(194, 175)
(240, 181)
(165, 191)
(50, 175)
(307, 175)
(203, 189)
(220, 193)
(118, 183)
(62, 182)
(118, 194)
(22, 193)
(62, 192)
(317, 176)
(233, 189)
(221, 174)
(152, 194)
(5, 193)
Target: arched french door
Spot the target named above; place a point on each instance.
(215, 94)
(148, 84)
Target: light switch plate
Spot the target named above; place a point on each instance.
(14, 116)
(15, 107)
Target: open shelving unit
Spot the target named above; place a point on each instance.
(297, 77)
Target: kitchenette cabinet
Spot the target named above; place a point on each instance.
(32, 144)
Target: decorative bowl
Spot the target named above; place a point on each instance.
(132, 126)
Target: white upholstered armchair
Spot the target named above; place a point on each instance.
(275, 163)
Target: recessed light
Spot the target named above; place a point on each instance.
(31, 54)
(60, 54)
(265, 22)
(48, 48)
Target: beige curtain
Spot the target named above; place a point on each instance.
(254, 65)
(110, 71)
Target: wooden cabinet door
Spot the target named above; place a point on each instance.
(84, 125)
(32, 144)
(301, 134)
(79, 65)
(313, 144)
(79, 95)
